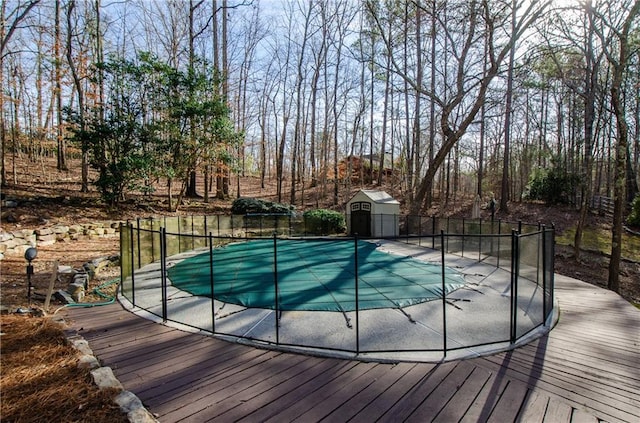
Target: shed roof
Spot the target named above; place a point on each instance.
(377, 196)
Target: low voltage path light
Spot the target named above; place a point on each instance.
(30, 255)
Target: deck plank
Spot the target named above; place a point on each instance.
(457, 407)
(509, 404)
(278, 392)
(442, 395)
(557, 411)
(585, 369)
(325, 393)
(534, 408)
(390, 396)
(299, 392)
(356, 404)
(414, 397)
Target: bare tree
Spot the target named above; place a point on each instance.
(618, 60)
(504, 196)
(462, 96)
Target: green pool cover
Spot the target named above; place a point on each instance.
(312, 275)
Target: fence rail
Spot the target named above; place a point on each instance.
(500, 306)
(602, 205)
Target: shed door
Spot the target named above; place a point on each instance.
(361, 218)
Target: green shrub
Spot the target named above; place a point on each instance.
(634, 217)
(324, 222)
(553, 186)
(254, 205)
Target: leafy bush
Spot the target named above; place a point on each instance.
(254, 205)
(324, 222)
(634, 217)
(553, 186)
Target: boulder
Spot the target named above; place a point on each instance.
(22, 233)
(43, 232)
(47, 239)
(21, 249)
(81, 345)
(76, 229)
(88, 362)
(76, 290)
(104, 378)
(64, 296)
(60, 229)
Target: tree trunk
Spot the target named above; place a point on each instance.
(61, 152)
(504, 196)
(621, 149)
(589, 118)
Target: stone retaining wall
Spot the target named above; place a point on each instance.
(16, 242)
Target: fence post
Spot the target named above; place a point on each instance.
(357, 295)
(153, 248)
(138, 237)
(463, 237)
(499, 241)
(193, 235)
(544, 275)
(205, 230)
(433, 233)
(552, 258)
(515, 241)
(213, 306)
(275, 285)
(163, 270)
(444, 298)
(121, 287)
(406, 225)
(480, 241)
(133, 268)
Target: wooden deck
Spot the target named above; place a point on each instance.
(586, 370)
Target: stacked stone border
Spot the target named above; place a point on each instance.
(16, 242)
(104, 378)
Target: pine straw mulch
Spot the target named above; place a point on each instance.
(41, 380)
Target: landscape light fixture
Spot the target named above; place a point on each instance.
(30, 255)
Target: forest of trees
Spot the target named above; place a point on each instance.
(436, 98)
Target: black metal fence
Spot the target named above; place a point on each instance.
(509, 267)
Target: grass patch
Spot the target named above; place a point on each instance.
(41, 380)
(596, 239)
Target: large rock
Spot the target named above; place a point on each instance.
(64, 296)
(21, 249)
(76, 229)
(76, 290)
(88, 362)
(48, 239)
(81, 345)
(43, 232)
(104, 378)
(60, 229)
(22, 233)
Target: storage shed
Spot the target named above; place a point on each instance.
(372, 213)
